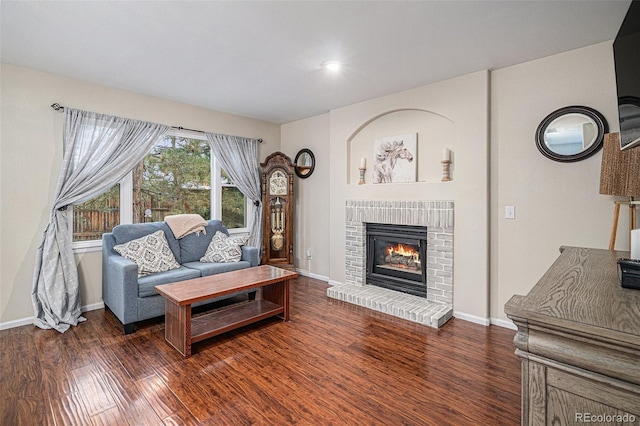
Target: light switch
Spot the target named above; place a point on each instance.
(509, 212)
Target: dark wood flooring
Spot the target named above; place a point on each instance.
(333, 363)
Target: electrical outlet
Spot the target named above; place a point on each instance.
(309, 254)
(509, 212)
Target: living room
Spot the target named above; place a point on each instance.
(495, 163)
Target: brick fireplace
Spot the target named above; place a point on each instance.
(437, 216)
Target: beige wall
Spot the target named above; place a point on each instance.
(450, 114)
(311, 194)
(31, 154)
(556, 203)
(462, 101)
(433, 133)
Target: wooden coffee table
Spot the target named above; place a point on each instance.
(181, 330)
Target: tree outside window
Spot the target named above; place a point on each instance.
(233, 203)
(174, 178)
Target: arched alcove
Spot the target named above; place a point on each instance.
(434, 132)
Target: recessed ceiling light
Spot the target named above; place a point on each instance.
(333, 66)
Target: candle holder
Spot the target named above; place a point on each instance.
(446, 170)
(362, 170)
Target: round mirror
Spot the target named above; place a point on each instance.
(305, 163)
(571, 133)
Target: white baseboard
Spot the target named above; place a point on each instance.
(485, 321)
(472, 318)
(93, 307)
(334, 282)
(503, 323)
(28, 321)
(16, 323)
(311, 275)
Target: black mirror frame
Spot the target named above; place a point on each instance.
(313, 163)
(598, 118)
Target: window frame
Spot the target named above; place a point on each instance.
(126, 198)
(216, 198)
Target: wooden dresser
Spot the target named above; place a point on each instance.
(579, 340)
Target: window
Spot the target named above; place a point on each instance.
(233, 203)
(179, 175)
(93, 218)
(174, 178)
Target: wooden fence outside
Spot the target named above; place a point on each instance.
(90, 224)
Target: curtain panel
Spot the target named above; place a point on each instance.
(239, 158)
(99, 150)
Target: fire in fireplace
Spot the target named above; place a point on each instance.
(403, 257)
(396, 257)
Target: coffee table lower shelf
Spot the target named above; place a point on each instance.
(181, 330)
(229, 318)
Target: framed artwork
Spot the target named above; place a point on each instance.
(394, 159)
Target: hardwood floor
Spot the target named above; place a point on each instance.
(333, 363)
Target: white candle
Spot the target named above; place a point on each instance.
(445, 154)
(363, 163)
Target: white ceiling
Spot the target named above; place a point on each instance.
(262, 59)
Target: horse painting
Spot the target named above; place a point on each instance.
(386, 156)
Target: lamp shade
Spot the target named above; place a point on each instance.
(620, 170)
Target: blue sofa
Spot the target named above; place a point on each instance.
(133, 299)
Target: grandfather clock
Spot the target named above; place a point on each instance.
(277, 211)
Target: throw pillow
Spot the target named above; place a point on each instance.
(151, 253)
(224, 249)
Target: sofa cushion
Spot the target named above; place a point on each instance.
(151, 253)
(193, 247)
(146, 285)
(224, 249)
(207, 269)
(127, 232)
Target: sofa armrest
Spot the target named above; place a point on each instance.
(120, 289)
(119, 283)
(251, 254)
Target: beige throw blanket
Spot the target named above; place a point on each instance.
(184, 224)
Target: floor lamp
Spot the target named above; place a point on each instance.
(620, 176)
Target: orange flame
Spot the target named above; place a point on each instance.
(403, 250)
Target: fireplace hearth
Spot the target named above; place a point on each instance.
(396, 257)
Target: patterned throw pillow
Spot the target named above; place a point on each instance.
(151, 253)
(224, 249)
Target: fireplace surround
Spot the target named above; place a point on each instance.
(437, 216)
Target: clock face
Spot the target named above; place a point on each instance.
(278, 183)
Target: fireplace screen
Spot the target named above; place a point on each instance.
(396, 257)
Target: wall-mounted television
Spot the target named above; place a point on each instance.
(626, 51)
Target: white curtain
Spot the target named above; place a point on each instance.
(239, 158)
(99, 150)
